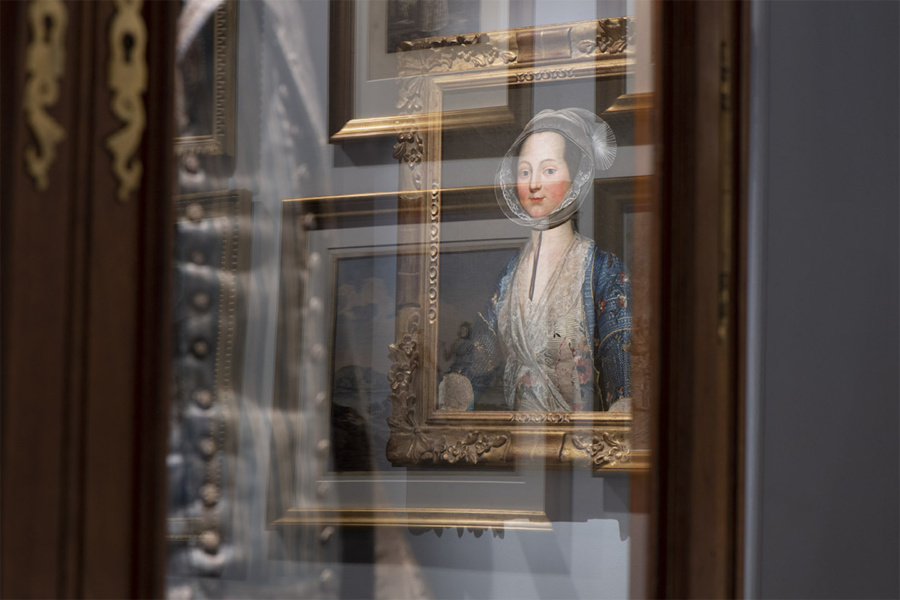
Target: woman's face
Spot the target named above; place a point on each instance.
(543, 176)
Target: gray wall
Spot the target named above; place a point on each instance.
(825, 477)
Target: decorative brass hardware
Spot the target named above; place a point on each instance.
(127, 79)
(45, 63)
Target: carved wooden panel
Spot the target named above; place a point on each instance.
(85, 284)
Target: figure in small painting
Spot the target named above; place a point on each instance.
(461, 346)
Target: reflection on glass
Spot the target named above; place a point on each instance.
(414, 19)
(365, 300)
(301, 262)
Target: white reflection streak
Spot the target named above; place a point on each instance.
(194, 15)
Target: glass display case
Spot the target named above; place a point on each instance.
(388, 298)
(336, 287)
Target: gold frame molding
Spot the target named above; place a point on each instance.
(497, 520)
(221, 140)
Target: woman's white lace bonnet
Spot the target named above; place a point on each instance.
(585, 131)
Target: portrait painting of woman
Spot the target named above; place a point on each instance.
(558, 324)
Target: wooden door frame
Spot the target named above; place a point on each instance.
(85, 314)
(697, 486)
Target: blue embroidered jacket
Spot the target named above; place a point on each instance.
(606, 299)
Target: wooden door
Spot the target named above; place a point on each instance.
(85, 276)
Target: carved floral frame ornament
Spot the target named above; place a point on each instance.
(421, 435)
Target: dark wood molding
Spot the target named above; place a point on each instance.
(153, 384)
(85, 345)
(698, 483)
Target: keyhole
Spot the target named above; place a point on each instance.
(48, 27)
(128, 44)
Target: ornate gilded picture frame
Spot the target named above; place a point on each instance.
(588, 54)
(208, 74)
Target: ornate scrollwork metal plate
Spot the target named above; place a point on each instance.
(127, 80)
(45, 64)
